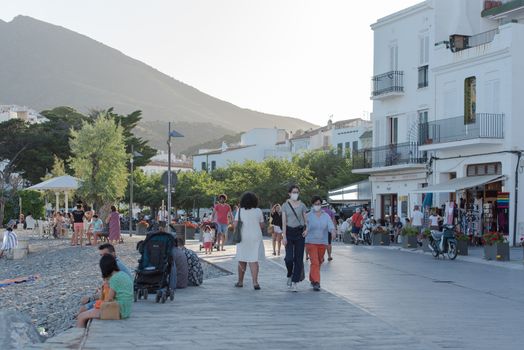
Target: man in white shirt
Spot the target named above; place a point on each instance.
(416, 218)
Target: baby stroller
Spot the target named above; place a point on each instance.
(154, 267)
(215, 238)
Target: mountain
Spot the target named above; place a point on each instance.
(44, 66)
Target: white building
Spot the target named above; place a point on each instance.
(8, 112)
(401, 98)
(446, 113)
(343, 136)
(256, 144)
(159, 164)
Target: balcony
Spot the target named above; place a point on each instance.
(401, 154)
(486, 128)
(463, 42)
(501, 9)
(387, 84)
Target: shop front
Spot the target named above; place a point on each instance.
(475, 203)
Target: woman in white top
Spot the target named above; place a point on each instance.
(433, 221)
(250, 249)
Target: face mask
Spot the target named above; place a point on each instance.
(294, 196)
(316, 207)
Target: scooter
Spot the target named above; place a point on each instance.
(444, 242)
(365, 233)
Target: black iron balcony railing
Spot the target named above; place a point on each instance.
(389, 155)
(484, 125)
(388, 82)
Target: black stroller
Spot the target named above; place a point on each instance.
(154, 267)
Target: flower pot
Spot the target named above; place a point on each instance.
(190, 232)
(497, 251)
(425, 245)
(462, 247)
(346, 237)
(380, 239)
(409, 241)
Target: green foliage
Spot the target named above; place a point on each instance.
(328, 169)
(148, 190)
(32, 202)
(99, 159)
(194, 190)
(409, 230)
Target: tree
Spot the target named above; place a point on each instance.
(148, 190)
(99, 159)
(15, 140)
(194, 190)
(128, 123)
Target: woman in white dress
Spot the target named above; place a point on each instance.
(250, 249)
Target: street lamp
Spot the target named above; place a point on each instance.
(131, 161)
(171, 133)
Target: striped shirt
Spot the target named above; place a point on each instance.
(10, 240)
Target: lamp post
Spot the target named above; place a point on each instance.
(131, 161)
(171, 133)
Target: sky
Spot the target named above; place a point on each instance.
(310, 59)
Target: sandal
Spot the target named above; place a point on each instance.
(239, 285)
(256, 286)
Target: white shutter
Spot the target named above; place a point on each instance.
(426, 49)
(496, 96)
(421, 51)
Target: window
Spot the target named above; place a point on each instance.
(423, 76)
(393, 130)
(423, 49)
(493, 96)
(204, 167)
(339, 148)
(470, 100)
(213, 165)
(355, 146)
(423, 126)
(484, 169)
(346, 146)
(393, 56)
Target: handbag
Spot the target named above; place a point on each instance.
(237, 233)
(109, 310)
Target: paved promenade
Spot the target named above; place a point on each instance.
(372, 298)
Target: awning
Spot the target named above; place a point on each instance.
(61, 183)
(357, 192)
(461, 183)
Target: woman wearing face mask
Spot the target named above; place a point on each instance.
(320, 226)
(276, 222)
(294, 232)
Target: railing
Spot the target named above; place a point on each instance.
(388, 82)
(389, 155)
(484, 125)
(463, 42)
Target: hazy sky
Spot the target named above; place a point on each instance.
(301, 58)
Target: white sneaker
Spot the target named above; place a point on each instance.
(294, 287)
(289, 282)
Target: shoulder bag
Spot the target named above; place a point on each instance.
(109, 310)
(237, 233)
(294, 212)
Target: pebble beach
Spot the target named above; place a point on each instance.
(65, 274)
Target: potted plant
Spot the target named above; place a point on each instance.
(495, 246)
(409, 237)
(190, 229)
(426, 233)
(380, 236)
(462, 244)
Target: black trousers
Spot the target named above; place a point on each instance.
(295, 253)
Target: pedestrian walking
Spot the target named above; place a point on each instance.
(416, 220)
(326, 209)
(208, 239)
(320, 227)
(78, 225)
(356, 224)
(113, 220)
(222, 216)
(294, 232)
(276, 224)
(251, 248)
